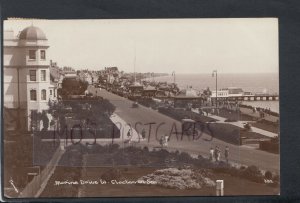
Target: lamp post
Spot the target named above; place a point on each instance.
(173, 74)
(215, 72)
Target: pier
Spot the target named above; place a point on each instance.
(250, 98)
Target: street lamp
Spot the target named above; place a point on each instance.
(173, 74)
(215, 72)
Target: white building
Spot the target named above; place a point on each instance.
(26, 72)
(228, 92)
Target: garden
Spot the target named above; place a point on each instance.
(171, 173)
(86, 117)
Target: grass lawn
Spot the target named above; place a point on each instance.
(233, 115)
(267, 125)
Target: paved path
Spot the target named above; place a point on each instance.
(143, 117)
(241, 125)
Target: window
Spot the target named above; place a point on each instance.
(32, 74)
(54, 93)
(32, 54)
(51, 92)
(43, 54)
(33, 95)
(43, 75)
(43, 95)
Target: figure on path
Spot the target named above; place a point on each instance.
(226, 153)
(143, 133)
(216, 153)
(211, 154)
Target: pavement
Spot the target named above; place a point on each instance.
(241, 125)
(157, 125)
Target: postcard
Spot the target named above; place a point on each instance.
(141, 107)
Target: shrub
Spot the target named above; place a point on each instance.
(200, 157)
(184, 157)
(162, 154)
(268, 175)
(252, 173)
(146, 149)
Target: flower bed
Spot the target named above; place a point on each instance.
(267, 125)
(179, 179)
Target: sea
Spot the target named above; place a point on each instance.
(250, 82)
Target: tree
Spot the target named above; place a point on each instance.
(45, 120)
(73, 86)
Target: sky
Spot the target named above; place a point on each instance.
(231, 45)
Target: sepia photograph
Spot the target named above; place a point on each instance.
(140, 107)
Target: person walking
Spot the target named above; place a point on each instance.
(166, 140)
(216, 153)
(226, 153)
(143, 133)
(162, 141)
(211, 154)
(129, 133)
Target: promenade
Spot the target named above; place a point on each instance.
(141, 117)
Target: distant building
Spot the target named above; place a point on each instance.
(68, 70)
(27, 84)
(111, 70)
(111, 74)
(228, 92)
(85, 76)
(187, 98)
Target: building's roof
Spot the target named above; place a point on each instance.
(189, 93)
(150, 88)
(32, 33)
(70, 75)
(136, 84)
